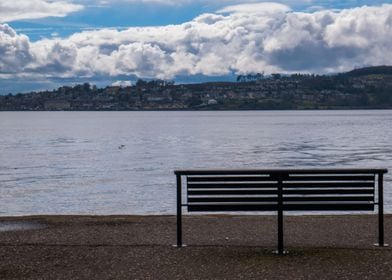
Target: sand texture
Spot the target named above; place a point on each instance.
(219, 247)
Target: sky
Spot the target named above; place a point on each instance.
(45, 44)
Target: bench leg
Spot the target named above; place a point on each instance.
(280, 232)
(381, 242)
(179, 231)
(179, 213)
(280, 250)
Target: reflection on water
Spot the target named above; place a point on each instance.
(123, 162)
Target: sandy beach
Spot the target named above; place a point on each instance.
(219, 247)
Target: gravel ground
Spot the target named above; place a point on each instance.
(219, 247)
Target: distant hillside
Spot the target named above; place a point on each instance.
(366, 88)
(376, 70)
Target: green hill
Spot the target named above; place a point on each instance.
(375, 70)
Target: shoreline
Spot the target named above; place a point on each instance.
(98, 217)
(195, 214)
(219, 110)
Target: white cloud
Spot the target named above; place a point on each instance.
(14, 50)
(11, 10)
(214, 44)
(122, 83)
(259, 8)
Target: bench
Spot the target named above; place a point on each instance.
(280, 190)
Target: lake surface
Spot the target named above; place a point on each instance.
(123, 162)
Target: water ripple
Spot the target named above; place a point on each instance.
(72, 163)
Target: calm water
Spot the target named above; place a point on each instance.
(123, 162)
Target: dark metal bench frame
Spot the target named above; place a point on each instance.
(279, 202)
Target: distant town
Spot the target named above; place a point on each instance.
(366, 88)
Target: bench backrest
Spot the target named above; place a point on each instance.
(299, 190)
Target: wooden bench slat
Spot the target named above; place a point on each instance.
(285, 185)
(230, 179)
(231, 185)
(329, 185)
(285, 204)
(273, 207)
(232, 199)
(343, 171)
(274, 191)
(273, 198)
(329, 191)
(330, 178)
(232, 191)
(329, 207)
(232, 208)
